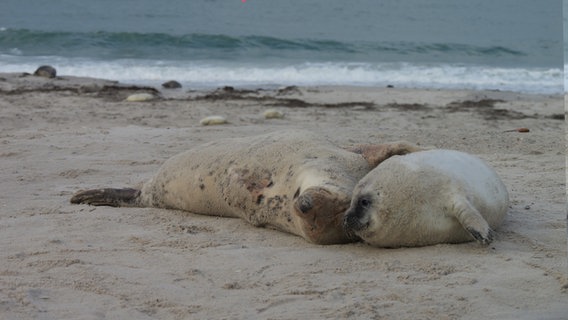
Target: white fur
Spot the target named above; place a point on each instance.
(429, 197)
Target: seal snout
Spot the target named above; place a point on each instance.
(354, 220)
(356, 217)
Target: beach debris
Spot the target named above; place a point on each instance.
(140, 97)
(557, 116)
(273, 114)
(408, 106)
(46, 72)
(522, 130)
(486, 108)
(213, 120)
(228, 92)
(172, 84)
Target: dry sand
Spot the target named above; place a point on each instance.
(63, 261)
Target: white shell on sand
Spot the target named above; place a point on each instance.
(213, 120)
(273, 114)
(139, 97)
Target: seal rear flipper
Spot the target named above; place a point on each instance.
(473, 222)
(126, 197)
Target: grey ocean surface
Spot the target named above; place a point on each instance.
(504, 45)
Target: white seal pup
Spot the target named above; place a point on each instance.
(426, 198)
(294, 181)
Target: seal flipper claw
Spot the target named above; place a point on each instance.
(484, 240)
(107, 197)
(473, 221)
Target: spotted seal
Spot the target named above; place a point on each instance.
(292, 180)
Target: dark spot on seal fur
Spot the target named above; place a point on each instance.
(276, 203)
(259, 199)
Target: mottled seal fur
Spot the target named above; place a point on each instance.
(425, 198)
(294, 181)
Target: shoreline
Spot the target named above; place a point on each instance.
(14, 83)
(204, 88)
(59, 136)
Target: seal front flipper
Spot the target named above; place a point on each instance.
(473, 221)
(126, 197)
(377, 153)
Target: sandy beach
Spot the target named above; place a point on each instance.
(64, 261)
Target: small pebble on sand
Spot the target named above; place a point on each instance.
(213, 120)
(273, 114)
(140, 97)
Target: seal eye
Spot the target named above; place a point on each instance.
(364, 203)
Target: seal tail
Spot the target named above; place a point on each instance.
(126, 197)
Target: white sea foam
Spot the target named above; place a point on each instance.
(214, 74)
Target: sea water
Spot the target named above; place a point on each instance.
(476, 44)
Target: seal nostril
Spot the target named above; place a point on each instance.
(305, 203)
